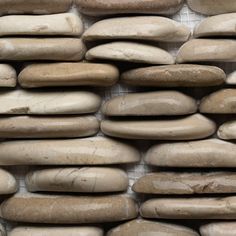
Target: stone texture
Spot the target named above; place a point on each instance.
(152, 28)
(130, 52)
(2, 231)
(88, 151)
(68, 209)
(189, 128)
(8, 184)
(85, 180)
(183, 75)
(150, 104)
(227, 130)
(7, 76)
(231, 79)
(219, 229)
(68, 74)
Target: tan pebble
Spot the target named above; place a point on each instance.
(219, 229)
(227, 130)
(8, 184)
(8, 77)
(231, 79)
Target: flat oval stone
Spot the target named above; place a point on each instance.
(191, 127)
(88, 151)
(8, 184)
(48, 127)
(68, 74)
(8, 76)
(152, 28)
(186, 183)
(227, 130)
(130, 52)
(212, 7)
(150, 104)
(231, 79)
(222, 50)
(205, 153)
(61, 209)
(220, 25)
(189, 208)
(55, 49)
(2, 231)
(183, 75)
(222, 102)
(219, 229)
(109, 7)
(20, 102)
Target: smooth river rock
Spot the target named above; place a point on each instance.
(2, 231)
(150, 104)
(189, 128)
(219, 229)
(205, 153)
(227, 130)
(204, 50)
(55, 49)
(175, 76)
(68, 74)
(130, 52)
(186, 183)
(53, 209)
(8, 184)
(87, 151)
(152, 28)
(8, 76)
(84, 180)
(231, 78)
(19, 102)
(48, 126)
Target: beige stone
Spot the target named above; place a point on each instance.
(204, 50)
(219, 229)
(152, 28)
(231, 79)
(88, 151)
(7, 76)
(55, 49)
(68, 209)
(227, 130)
(2, 231)
(130, 52)
(175, 76)
(150, 104)
(8, 184)
(191, 127)
(68, 74)
(205, 153)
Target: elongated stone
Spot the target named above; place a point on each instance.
(205, 153)
(48, 127)
(231, 79)
(89, 151)
(175, 76)
(152, 28)
(227, 130)
(2, 231)
(68, 74)
(192, 127)
(212, 7)
(223, 50)
(55, 49)
(85, 180)
(8, 184)
(150, 104)
(186, 183)
(219, 229)
(48, 103)
(68, 209)
(109, 7)
(148, 228)
(220, 25)
(130, 52)
(7, 76)
(190, 208)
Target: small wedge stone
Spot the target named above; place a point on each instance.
(219, 229)
(130, 52)
(150, 104)
(227, 130)
(231, 79)
(8, 184)
(68, 74)
(204, 50)
(2, 231)
(7, 76)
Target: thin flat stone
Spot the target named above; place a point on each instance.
(219, 229)
(204, 50)
(8, 184)
(231, 79)
(84, 180)
(152, 28)
(186, 183)
(210, 153)
(189, 128)
(130, 52)
(68, 74)
(53, 209)
(8, 76)
(2, 231)
(150, 104)
(55, 49)
(175, 76)
(227, 130)
(88, 151)
(19, 102)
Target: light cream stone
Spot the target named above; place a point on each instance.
(130, 52)
(8, 184)
(88, 151)
(219, 229)
(189, 128)
(2, 231)
(7, 76)
(223, 50)
(227, 130)
(56, 49)
(231, 79)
